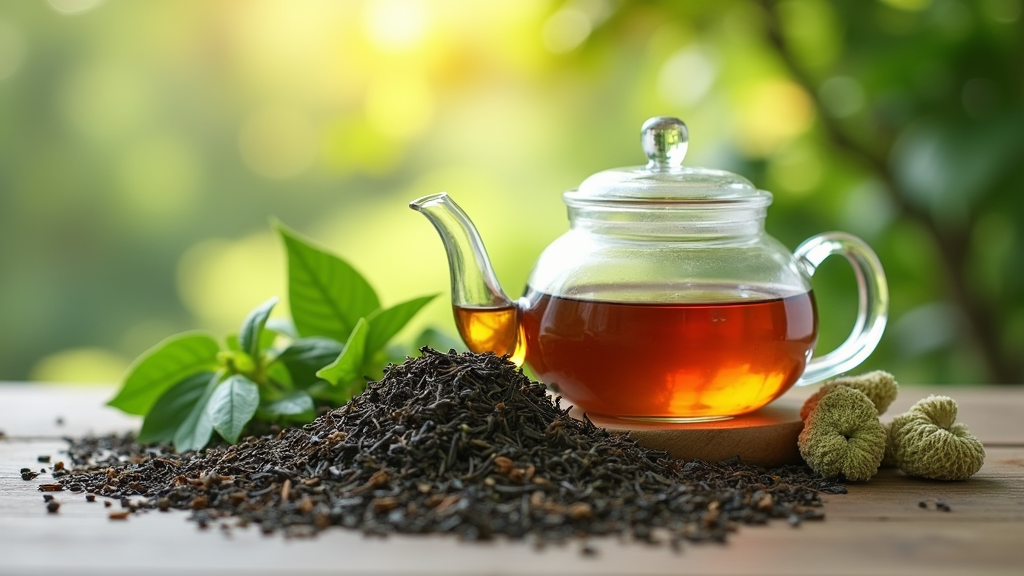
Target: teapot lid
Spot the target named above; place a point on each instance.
(664, 180)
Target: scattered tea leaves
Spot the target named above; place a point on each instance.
(454, 443)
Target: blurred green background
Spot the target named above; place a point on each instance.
(145, 145)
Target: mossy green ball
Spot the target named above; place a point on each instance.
(879, 386)
(928, 443)
(842, 435)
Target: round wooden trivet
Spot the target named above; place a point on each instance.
(766, 437)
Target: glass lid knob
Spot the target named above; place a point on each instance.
(664, 140)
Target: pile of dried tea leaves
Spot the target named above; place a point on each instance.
(459, 443)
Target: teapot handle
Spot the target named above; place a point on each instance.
(872, 310)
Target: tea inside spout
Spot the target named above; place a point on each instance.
(497, 330)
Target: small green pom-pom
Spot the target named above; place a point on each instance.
(927, 442)
(879, 386)
(842, 435)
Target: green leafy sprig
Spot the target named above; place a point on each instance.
(273, 372)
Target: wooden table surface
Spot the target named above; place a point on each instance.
(878, 528)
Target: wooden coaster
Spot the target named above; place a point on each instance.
(766, 437)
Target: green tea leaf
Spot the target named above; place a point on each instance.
(307, 355)
(195, 432)
(163, 366)
(297, 402)
(232, 406)
(252, 328)
(267, 338)
(346, 368)
(171, 410)
(278, 373)
(283, 326)
(384, 324)
(327, 296)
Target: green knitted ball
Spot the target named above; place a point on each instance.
(927, 442)
(842, 435)
(880, 387)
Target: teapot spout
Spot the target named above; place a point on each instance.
(487, 319)
(474, 284)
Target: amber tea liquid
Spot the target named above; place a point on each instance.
(495, 330)
(670, 361)
(654, 361)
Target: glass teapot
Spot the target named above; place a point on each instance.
(666, 300)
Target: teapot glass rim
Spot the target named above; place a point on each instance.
(750, 199)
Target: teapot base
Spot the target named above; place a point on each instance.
(665, 419)
(765, 437)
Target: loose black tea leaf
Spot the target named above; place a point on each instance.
(460, 443)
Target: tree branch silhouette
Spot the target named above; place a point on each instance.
(951, 244)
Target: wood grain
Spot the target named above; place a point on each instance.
(878, 528)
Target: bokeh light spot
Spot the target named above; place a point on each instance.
(12, 49)
(397, 25)
(400, 106)
(687, 76)
(278, 142)
(352, 145)
(771, 113)
(220, 281)
(1003, 11)
(159, 178)
(812, 30)
(909, 5)
(796, 169)
(565, 30)
(87, 365)
(106, 100)
(979, 97)
(144, 335)
(926, 328)
(842, 96)
(72, 7)
(868, 210)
